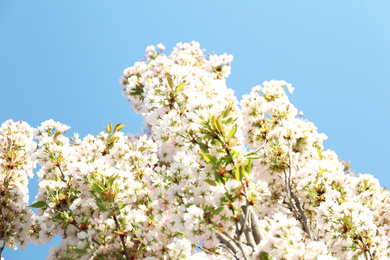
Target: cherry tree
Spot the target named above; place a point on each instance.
(211, 178)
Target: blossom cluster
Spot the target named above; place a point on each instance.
(17, 161)
(212, 178)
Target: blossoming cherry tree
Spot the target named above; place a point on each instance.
(212, 178)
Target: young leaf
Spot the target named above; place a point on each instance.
(57, 218)
(170, 81)
(226, 112)
(206, 157)
(141, 149)
(253, 156)
(202, 146)
(97, 187)
(229, 159)
(39, 204)
(122, 206)
(238, 173)
(80, 251)
(113, 139)
(101, 206)
(118, 127)
(217, 211)
(214, 122)
(243, 171)
(211, 182)
(180, 87)
(218, 178)
(109, 128)
(219, 125)
(230, 120)
(57, 134)
(232, 131)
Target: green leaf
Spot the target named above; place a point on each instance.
(227, 111)
(113, 139)
(217, 211)
(57, 218)
(57, 134)
(229, 159)
(264, 256)
(238, 173)
(180, 86)
(101, 206)
(252, 156)
(219, 125)
(206, 157)
(39, 204)
(170, 81)
(214, 122)
(141, 149)
(246, 168)
(122, 206)
(118, 127)
(218, 178)
(111, 179)
(97, 187)
(211, 182)
(109, 128)
(232, 131)
(80, 251)
(202, 146)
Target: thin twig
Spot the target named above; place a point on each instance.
(229, 250)
(205, 249)
(122, 239)
(366, 248)
(62, 173)
(261, 147)
(75, 224)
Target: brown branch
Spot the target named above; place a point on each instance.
(75, 224)
(122, 239)
(62, 173)
(205, 249)
(366, 248)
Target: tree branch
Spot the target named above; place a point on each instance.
(228, 242)
(122, 239)
(249, 233)
(257, 234)
(297, 208)
(4, 230)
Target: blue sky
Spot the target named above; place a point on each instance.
(63, 60)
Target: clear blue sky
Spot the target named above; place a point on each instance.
(63, 60)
